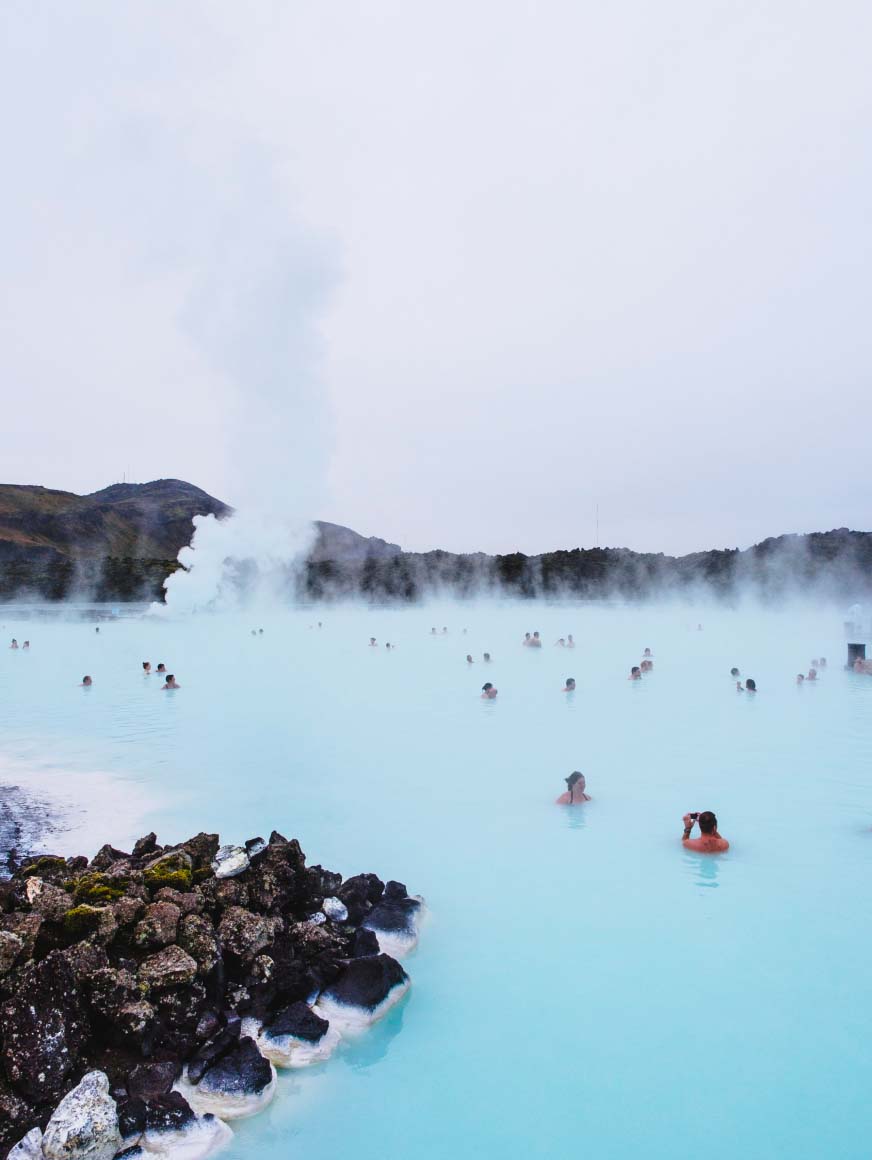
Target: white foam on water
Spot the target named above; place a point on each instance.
(347, 1018)
(70, 812)
(226, 1105)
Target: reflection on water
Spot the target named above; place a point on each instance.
(703, 868)
(373, 1045)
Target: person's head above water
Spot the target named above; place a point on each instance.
(469, 659)
(87, 681)
(570, 685)
(574, 778)
(486, 657)
(635, 673)
(161, 668)
(751, 685)
(146, 665)
(799, 678)
(734, 672)
(708, 823)
(488, 691)
(647, 652)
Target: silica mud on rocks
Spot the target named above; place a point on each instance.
(146, 999)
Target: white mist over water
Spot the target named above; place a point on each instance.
(252, 312)
(244, 560)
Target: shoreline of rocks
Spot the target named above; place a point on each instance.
(146, 999)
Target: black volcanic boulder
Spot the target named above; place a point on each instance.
(170, 1112)
(43, 1028)
(298, 1020)
(242, 1070)
(365, 943)
(395, 919)
(147, 1081)
(239, 1084)
(360, 894)
(365, 990)
(15, 1116)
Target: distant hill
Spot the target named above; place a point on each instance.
(118, 543)
(122, 543)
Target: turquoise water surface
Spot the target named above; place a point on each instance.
(583, 985)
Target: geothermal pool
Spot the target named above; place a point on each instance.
(583, 985)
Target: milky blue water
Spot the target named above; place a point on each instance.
(584, 986)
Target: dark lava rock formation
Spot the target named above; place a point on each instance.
(143, 967)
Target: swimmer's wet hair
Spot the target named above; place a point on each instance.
(708, 823)
(486, 686)
(572, 781)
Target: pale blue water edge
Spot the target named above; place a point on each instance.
(583, 986)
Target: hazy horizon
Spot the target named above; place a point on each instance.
(453, 277)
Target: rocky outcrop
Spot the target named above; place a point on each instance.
(395, 920)
(364, 991)
(145, 999)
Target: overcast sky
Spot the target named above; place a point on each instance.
(452, 274)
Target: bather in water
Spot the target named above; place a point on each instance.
(709, 841)
(575, 794)
(569, 687)
(488, 692)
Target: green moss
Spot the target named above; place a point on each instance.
(81, 921)
(44, 867)
(170, 871)
(96, 888)
(202, 874)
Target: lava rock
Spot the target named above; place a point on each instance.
(26, 927)
(299, 1020)
(230, 861)
(16, 1116)
(159, 927)
(146, 846)
(168, 1113)
(11, 946)
(171, 967)
(84, 1126)
(360, 894)
(46, 899)
(365, 990)
(197, 936)
(243, 933)
(239, 1084)
(43, 1028)
(147, 1081)
(365, 943)
(395, 922)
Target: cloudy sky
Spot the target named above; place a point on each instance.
(453, 274)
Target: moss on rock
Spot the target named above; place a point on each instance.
(81, 921)
(43, 868)
(96, 888)
(174, 871)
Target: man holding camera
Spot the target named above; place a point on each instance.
(709, 840)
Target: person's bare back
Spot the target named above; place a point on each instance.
(709, 841)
